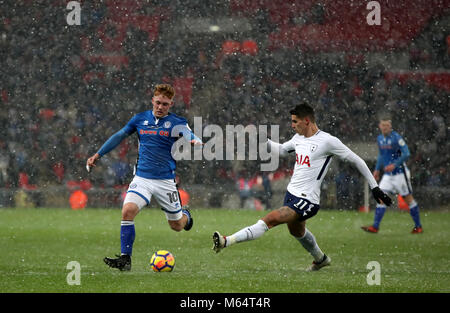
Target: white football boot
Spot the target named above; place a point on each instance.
(315, 266)
(219, 242)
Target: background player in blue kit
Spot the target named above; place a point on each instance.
(157, 129)
(393, 153)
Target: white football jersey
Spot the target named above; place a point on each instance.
(312, 159)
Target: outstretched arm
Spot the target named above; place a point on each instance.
(343, 152)
(109, 145)
(113, 142)
(282, 149)
(362, 168)
(185, 131)
(377, 193)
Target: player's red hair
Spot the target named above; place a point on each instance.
(164, 89)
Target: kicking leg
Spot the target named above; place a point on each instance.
(272, 219)
(182, 221)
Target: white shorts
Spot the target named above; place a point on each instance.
(397, 184)
(165, 191)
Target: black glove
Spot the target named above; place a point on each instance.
(378, 194)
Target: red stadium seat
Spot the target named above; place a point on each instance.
(249, 47)
(345, 27)
(230, 47)
(24, 181)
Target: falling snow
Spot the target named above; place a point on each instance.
(66, 88)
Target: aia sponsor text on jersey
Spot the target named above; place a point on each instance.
(300, 160)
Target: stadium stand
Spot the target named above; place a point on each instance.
(64, 89)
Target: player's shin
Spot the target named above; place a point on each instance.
(127, 235)
(414, 212)
(308, 241)
(379, 213)
(248, 233)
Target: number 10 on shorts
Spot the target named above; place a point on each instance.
(173, 196)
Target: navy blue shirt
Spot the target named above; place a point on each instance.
(392, 150)
(156, 137)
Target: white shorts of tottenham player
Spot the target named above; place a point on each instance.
(397, 184)
(165, 191)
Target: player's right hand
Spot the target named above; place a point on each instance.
(376, 175)
(381, 196)
(90, 163)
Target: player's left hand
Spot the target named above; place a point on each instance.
(389, 168)
(380, 195)
(196, 143)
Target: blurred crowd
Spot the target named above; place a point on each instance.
(66, 89)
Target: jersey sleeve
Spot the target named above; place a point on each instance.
(183, 130)
(117, 138)
(131, 126)
(336, 147)
(282, 149)
(404, 151)
(379, 163)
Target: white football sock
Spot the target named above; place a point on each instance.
(308, 242)
(248, 233)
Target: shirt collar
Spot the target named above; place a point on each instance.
(156, 119)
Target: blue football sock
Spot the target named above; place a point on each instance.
(127, 235)
(414, 212)
(379, 213)
(188, 215)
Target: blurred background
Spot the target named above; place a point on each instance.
(64, 89)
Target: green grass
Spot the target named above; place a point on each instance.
(37, 244)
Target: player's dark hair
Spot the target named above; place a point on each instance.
(304, 110)
(164, 89)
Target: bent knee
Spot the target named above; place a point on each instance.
(129, 211)
(176, 225)
(297, 232)
(297, 228)
(280, 216)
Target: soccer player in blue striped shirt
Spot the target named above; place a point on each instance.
(157, 130)
(393, 153)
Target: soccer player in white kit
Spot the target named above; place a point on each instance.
(314, 150)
